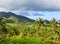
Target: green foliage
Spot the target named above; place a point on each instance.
(17, 40)
(29, 33)
(2, 26)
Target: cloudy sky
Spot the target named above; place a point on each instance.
(32, 8)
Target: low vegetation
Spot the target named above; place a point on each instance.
(38, 32)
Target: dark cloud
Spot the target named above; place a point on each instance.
(46, 5)
(36, 5)
(12, 4)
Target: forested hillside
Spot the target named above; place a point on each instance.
(20, 18)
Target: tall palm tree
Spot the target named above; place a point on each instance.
(2, 23)
(53, 23)
(40, 22)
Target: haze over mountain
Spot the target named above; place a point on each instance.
(20, 18)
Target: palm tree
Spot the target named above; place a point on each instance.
(40, 22)
(53, 23)
(2, 23)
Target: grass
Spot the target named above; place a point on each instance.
(17, 40)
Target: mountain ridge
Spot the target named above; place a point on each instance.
(19, 17)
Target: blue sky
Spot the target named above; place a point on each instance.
(49, 15)
(32, 8)
(42, 14)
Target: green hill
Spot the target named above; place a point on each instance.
(11, 16)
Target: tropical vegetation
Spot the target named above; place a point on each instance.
(37, 32)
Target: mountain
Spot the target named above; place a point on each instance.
(47, 21)
(58, 21)
(20, 18)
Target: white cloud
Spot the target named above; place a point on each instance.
(3, 10)
(12, 4)
(41, 5)
(29, 14)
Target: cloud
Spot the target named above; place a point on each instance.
(28, 13)
(31, 14)
(46, 5)
(2, 9)
(35, 5)
(12, 4)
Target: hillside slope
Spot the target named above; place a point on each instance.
(20, 18)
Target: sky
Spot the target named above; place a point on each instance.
(46, 9)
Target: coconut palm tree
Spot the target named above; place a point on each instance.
(40, 22)
(53, 23)
(2, 24)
